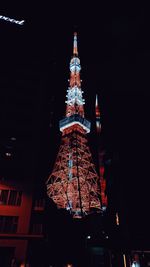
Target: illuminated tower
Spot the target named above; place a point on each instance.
(101, 154)
(74, 183)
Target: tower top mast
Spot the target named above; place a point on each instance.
(75, 101)
(75, 45)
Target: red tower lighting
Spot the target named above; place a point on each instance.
(74, 183)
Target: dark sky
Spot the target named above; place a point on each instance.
(114, 48)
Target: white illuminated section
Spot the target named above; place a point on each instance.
(135, 264)
(19, 22)
(74, 95)
(74, 123)
(124, 260)
(117, 218)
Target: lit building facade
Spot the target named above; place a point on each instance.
(20, 210)
(20, 223)
(15, 211)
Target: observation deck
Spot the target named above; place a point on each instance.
(73, 120)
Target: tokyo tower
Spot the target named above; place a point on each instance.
(74, 184)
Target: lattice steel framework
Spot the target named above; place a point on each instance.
(74, 183)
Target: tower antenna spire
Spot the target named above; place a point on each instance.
(75, 45)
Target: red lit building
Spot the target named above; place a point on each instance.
(21, 210)
(20, 222)
(15, 212)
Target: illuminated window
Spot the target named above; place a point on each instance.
(10, 197)
(8, 224)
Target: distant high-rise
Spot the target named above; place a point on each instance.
(74, 183)
(101, 154)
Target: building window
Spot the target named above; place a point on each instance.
(4, 196)
(8, 224)
(39, 202)
(37, 228)
(10, 197)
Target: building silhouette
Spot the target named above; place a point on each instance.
(21, 207)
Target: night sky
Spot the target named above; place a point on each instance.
(114, 48)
